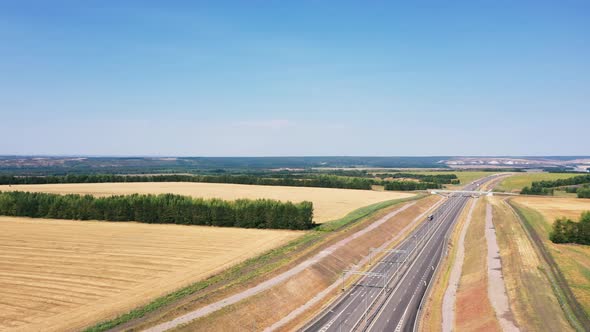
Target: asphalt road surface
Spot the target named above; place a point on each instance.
(389, 296)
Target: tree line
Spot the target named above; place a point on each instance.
(575, 180)
(548, 187)
(161, 209)
(324, 181)
(568, 231)
(410, 185)
(536, 190)
(433, 178)
(583, 192)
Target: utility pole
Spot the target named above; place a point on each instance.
(366, 296)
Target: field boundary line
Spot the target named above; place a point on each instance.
(572, 308)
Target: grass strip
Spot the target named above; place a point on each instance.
(361, 213)
(264, 263)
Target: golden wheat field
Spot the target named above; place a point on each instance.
(61, 275)
(555, 207)
(328, 203)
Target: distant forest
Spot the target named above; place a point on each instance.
(324, 181)
(17, 165)
(163, 209)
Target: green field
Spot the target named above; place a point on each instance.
(521, 180)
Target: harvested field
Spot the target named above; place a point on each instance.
(520, 180)
(329, 204)
(573, 260)
(555, 207)
(58, 275)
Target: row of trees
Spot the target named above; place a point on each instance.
(165, 208)
(325, 181)
(583, 192)
(547, 187)
(576, 180)
(410, 185)
(568, 231)
(572, 185)
(536, 190)
(434, 178)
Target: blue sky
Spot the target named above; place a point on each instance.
(274, 78)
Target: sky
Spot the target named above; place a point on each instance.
(294, 78)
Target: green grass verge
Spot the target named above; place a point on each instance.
(244, 271)
(361, 213)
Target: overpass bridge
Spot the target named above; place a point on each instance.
(470, 192)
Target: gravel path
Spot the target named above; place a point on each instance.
(450, 297)
(496, 287)
(273, 281)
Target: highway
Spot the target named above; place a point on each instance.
(388, 297)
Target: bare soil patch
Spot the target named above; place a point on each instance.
(474, 311)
